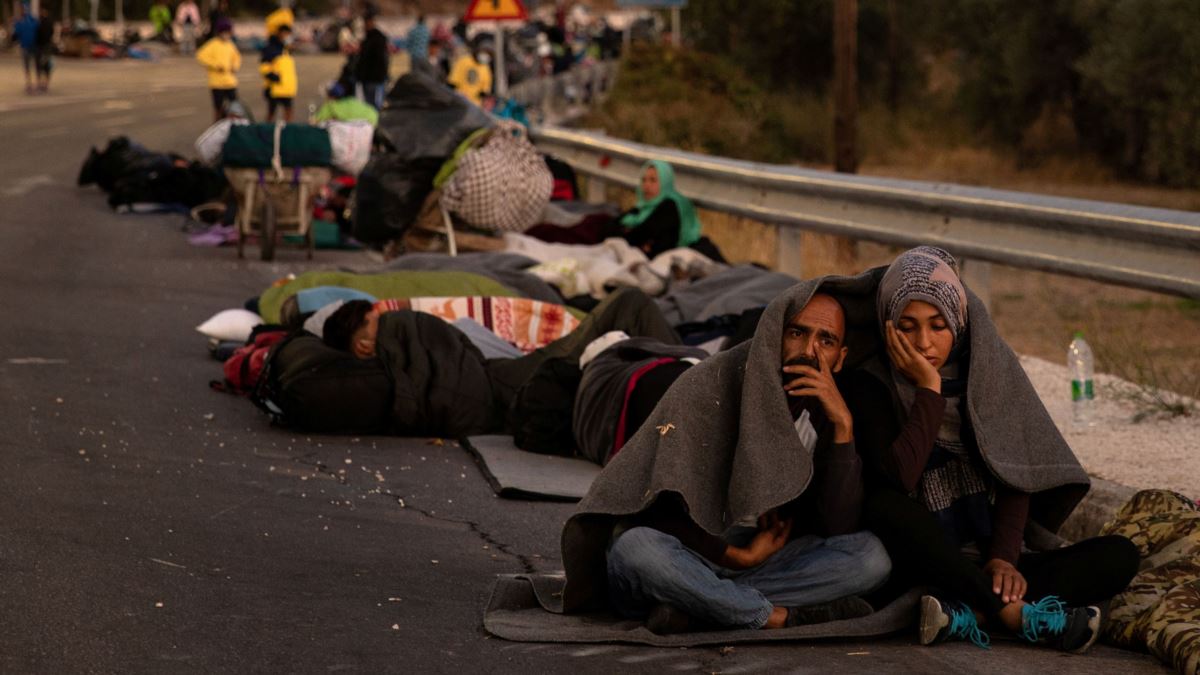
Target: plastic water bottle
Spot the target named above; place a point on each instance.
(1079, 363)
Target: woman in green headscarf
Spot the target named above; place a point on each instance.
(662, 219)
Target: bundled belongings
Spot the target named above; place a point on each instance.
(133, 175)
(263, 146)
(502, 185)
(1160, 610)
(423, 122)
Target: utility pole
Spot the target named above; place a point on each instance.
(845, 85)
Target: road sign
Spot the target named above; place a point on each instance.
(653, 4)
(496, 10)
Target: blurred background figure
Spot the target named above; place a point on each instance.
(187, 17)
(371, 70)
(25, 33)
(417, 41)
(278, 69)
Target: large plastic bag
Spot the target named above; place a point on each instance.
(421, 125)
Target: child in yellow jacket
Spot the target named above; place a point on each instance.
(221, 58)
(278, 69)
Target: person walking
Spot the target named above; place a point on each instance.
(417, 41)
(371, 70)
(25, 32)
(187, 17)
(278, 69)
(45, 48)
(221, 58)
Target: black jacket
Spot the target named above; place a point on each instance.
(373, 56)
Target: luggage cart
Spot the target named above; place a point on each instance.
(272, 202)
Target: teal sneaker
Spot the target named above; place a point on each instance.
(1051, 623)
(943, 620)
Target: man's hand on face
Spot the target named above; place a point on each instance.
(773, 533)
(819, 384)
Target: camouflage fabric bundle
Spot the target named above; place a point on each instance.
(1160, 611)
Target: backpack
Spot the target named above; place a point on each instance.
(307, 385)
(244, 368)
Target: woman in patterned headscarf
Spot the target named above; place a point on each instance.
(949, 521)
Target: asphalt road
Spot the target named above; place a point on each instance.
(148, 524)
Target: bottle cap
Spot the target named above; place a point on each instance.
(1078, 334)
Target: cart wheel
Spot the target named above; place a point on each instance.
(267, 236)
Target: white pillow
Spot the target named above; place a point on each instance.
(231, 324)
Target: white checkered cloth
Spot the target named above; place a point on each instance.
(502, 186)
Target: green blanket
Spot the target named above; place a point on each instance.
(384, 286)
(253, 145)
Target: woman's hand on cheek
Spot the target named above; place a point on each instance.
(911, 364)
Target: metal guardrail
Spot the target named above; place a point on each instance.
(559, 98)
(1147, 248)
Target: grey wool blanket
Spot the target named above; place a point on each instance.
(722, 440)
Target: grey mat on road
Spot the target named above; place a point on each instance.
(517, 474)
(522, 608)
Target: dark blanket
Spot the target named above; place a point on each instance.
(132, 174)
(253, 146)
(440, 384)
(722, 439)
(730, 291)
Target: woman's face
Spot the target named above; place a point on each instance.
(650, 186)
(926, 330)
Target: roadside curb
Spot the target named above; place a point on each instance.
(1096, 509)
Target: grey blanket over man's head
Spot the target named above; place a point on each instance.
(722, 439)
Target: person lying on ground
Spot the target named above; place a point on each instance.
(357, 327)
(950, 508)
(763, 455)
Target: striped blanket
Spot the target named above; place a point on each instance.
(527, 324)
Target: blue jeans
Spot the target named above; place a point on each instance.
(373, 93)
(647, 567)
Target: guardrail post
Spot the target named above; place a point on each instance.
(790, 247)
(597, 190)
(977, 274)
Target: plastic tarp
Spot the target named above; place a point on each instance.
(421, 125)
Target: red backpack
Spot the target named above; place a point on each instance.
(243, 369)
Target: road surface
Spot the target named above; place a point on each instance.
(153, 525)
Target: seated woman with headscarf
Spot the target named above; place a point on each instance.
(962, 461)
(662, 219)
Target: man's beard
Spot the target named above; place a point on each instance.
(798, 404)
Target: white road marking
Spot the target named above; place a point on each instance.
(178, 112)
(116, 122)
(24, 185)
(115, 104)
(47, 133)
(36, 361)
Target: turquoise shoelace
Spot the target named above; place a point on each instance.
(964, 627)
(1048, 615)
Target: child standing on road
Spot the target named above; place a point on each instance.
(279, 74)
(221, 58)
